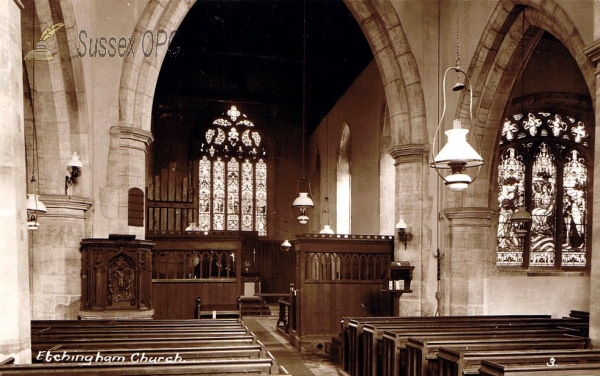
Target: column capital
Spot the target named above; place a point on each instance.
(593, 51)
(61, 206)
(408, 153)
(470, 216)
(130, 137)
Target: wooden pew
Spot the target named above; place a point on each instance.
(495, 369)
(351, 331)
(41, 324)
(67, 355)
(355, 344)
(259, 366)
(462, 361)
(392, 340)
(384, 351)
(67, 336)
(422, 353)
(102, 344)
(215, 349)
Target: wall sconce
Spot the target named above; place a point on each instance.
(74, 167)
(402, 234)
(286, 245)
(34, 206)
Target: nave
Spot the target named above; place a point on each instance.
(489, 345)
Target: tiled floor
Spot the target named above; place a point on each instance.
(294, 361)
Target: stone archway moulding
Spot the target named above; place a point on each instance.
(493, 73)
(397, 67)
(140, 73)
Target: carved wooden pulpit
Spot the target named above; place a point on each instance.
(116, 278)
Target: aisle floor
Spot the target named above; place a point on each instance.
(295, 362)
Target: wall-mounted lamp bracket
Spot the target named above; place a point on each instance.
(74, 169)
(401, 227)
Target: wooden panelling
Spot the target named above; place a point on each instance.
(170, 202)
(176, 299)
(342, 299)
(175, 283)
(338, 276)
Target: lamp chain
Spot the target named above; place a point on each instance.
(458, 37)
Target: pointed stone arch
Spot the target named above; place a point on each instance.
(398, 69)
(130, 138)
(496, 66)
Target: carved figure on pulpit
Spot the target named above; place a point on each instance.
(120, 279)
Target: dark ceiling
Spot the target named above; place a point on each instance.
(254, 51)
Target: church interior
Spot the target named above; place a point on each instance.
(354, 170)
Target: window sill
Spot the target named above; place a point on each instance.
(555, 273)
(507, 270)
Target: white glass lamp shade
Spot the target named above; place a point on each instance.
(303, 219)
(401, 225)
(34, 203)
(457, 182)
(457, 150)
(286, 245)
(192, 227)
(326, 230)
(303, 201)
(74, 161)
(34, 206)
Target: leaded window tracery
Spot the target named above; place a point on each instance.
(543, 166)
(232, 176)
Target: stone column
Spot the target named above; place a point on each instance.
(593, 52)
(56, 260)
(14, 279)
(468, 254)
(126, 169)
(411, 204)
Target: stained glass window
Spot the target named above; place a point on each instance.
(543, 168)
(232, 176)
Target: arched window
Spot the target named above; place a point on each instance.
(232, 176)
(344, 182)
(544, 166)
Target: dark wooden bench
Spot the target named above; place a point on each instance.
(101, 344)
(258, 366)
(41, 324)
(351, 331)
(385, 352)
(391, 349)
(69, 355)
(50, 336)
(495, 369)
(218, 311)
(354, 358)
(422, 353)
(457, 362)
(137, 348)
